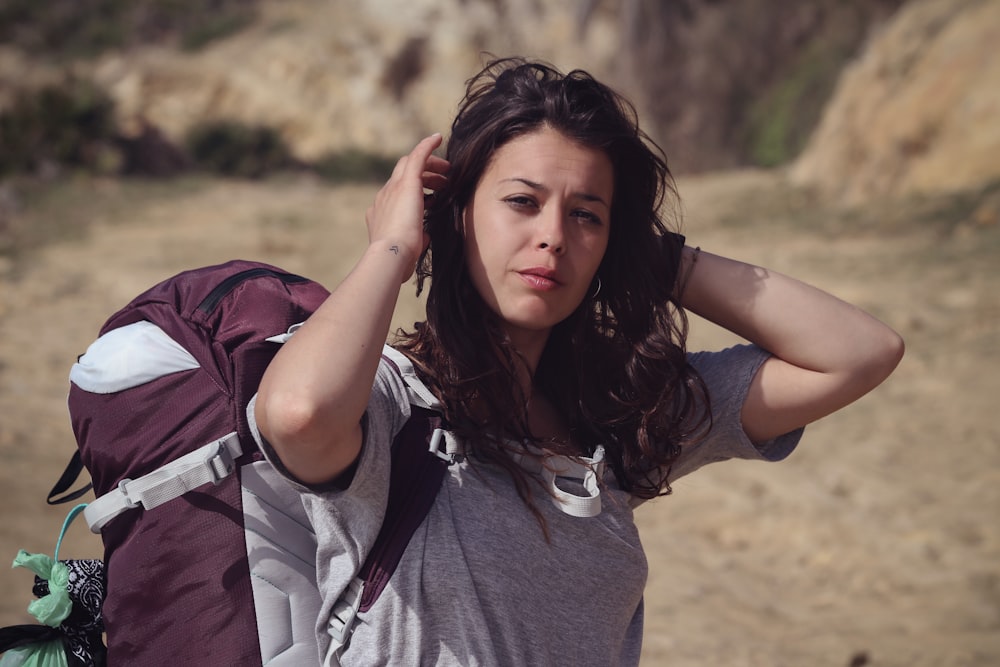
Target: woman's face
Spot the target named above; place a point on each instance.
(536, 230)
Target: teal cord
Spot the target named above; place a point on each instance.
(73, 513)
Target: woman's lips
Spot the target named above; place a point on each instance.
(540, 278)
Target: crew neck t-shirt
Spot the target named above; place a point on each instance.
(479, 582)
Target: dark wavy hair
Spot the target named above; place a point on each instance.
(616, 369)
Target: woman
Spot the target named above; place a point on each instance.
(555, 333)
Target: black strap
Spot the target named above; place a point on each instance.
(16, 636)
(414, 481)
(68, 479)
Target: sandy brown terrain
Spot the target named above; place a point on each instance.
(876, 543)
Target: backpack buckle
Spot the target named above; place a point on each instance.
(220, 462)
(342, 616)
(123, 488)
(452, 452)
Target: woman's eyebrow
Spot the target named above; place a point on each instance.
(531, 184)
(586, 196)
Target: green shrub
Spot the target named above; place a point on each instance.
(235, 149)
(354, 165)
(781, 119)
(69, 124)
(212, 28)
(85, 28)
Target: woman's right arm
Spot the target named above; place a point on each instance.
(314, 393)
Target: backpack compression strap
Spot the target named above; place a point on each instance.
(209, 463)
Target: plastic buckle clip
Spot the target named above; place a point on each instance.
(343, 614)
(220, 462)
(437, 437)
(123, 489)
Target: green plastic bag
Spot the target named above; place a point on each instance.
(50, 610)
(43, 654)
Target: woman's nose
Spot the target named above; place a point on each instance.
(551, 235)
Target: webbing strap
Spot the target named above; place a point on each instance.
(68, 479)
(588, 470)
(209, 463)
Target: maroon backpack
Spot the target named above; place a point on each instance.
(209, 556)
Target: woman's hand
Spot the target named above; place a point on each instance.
(396, 218)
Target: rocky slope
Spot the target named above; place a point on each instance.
(918, 112)
(334, 75)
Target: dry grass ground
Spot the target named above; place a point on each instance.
(876, 543)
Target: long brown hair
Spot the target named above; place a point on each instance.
(616, 369)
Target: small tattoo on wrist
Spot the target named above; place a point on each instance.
(394, 249)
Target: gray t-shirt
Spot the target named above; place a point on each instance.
(479, 583)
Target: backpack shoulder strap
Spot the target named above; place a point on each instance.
(442, 443)
(414, 480)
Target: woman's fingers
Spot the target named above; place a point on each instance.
(437, 165)
(420, 156)
(434, 181)
(398, 210)
(431, 168)
(435, 174)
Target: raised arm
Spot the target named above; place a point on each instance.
(315, 391)
(827, 353)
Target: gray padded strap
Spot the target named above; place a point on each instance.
(417, 392)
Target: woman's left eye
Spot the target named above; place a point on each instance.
(588, 216)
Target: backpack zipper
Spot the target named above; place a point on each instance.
(211, 302)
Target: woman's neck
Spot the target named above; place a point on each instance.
(528, 347)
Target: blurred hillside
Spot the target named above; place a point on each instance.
(724, 83)
(721, 83)
(905, 95)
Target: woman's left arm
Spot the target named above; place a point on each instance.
(826, 352)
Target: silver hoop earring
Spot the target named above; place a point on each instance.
(598, 290)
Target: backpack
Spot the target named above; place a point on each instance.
(209, 556)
